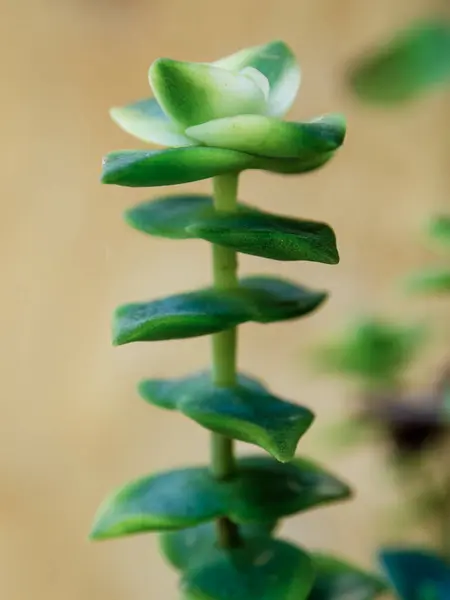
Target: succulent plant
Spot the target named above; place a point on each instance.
(216, 521)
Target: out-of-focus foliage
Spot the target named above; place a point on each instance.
(414, 427)
(373, 351)
(411, 428)
(416, 574)
(439, 230)
(434, 279)
(414, 61)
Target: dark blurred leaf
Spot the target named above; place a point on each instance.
(416, 574)
(413, 424)
(338, 580)
(416, 60)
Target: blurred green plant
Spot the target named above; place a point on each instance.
(374, 352)
(413, 62)
(414, 429)
(410, 64)
(416, 573)
(216, 521)
(434, 280)
(376, 355)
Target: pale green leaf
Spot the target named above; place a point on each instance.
(146, 121)
(266, 136)
(192, 93)
(277, 62)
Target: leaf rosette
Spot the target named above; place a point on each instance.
(221, 117)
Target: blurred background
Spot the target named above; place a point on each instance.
(72, 426)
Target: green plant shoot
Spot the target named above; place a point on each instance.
(216, 521)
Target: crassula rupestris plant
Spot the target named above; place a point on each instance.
(216, 521)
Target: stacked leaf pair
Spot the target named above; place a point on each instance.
(221, 119)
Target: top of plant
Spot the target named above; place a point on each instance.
(255, 81)
(221, 117)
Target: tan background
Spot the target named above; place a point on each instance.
(72, 426)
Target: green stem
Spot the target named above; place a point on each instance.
(223, 463)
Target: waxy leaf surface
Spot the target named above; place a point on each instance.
(152, 168)
(188, 548)
(192, 314)
(262, 490)
(246, 412)
(278, 64)
(263, 569)
(249, 231)
(269, 137)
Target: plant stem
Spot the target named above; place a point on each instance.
(224, 345)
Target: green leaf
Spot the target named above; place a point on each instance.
(188, 548)
(139, 168)
(263, 490)
(264, 569)
(270, 137)
(270, 236)
(338, 580)
(414, 61)
(292, 166)
(411, 571)
(278, 64)
(249, 231)
(193, 93)
(192, 314)
(439, 229)
(246, 412)
(432, 591)
(431, 281)
(374, 351)
(152, 168)
(148, 122)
